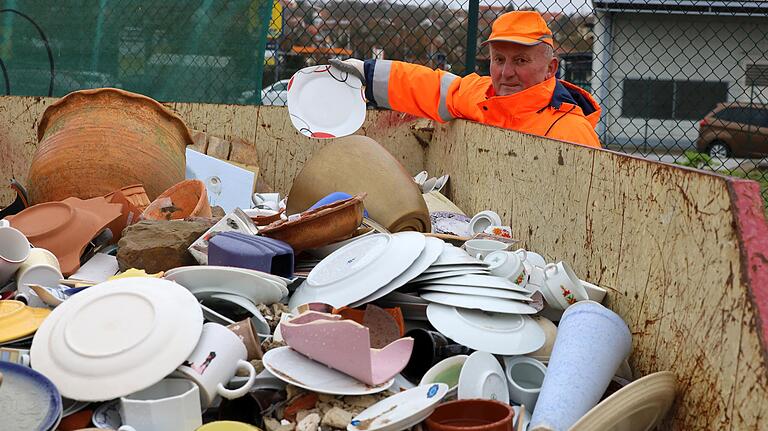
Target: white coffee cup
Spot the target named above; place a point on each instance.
(480, 248)
(214, 362)
(524, 377)
(170, 404)
(41, 267)
(269, 200)
(508, 264)
(14, 250)
(563, 287)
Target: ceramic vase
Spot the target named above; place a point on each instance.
(591, 343)
(93, 142)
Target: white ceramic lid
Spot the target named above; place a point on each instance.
(485, 303)
(497, 333)
(475, 291)
(292, 367)
(324, 102)
(639, 406)
(482, 220)
(432, 249)
(358, 269)
(117, 337)
(253, 285)
(482, 377)
(400, 411)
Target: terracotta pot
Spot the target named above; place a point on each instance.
(188, 198)
(471, 415)
(321, 226)
(92, 142)
(129, 215)
(358, 164)
(135, 194)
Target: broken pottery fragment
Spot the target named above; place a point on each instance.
(323, 337)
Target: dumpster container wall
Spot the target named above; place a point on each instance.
(683, 252)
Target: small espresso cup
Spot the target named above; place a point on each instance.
(216, 359)
(170, 404)
(41, 267)
(508, 264)
(14, 250)
(480, 248)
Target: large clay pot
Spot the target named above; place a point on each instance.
(93, 142)
(358, 164)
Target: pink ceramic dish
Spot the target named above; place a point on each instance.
(345, 345)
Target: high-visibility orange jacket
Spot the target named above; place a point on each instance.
(553, 108)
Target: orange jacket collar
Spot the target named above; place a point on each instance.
(524, 102)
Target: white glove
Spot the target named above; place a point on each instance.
(352, 66)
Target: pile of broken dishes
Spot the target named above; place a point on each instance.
(363, 301)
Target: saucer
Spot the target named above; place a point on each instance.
(482, 377)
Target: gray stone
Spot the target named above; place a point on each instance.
(337, 418)
(156, 246)
(310, 423)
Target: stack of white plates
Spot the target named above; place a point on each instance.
(366, 269)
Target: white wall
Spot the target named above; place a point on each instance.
(679, 47)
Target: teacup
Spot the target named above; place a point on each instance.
(14, 250)
(170, 404)
(267, 200)
(509, 265)
(480, 248)
(524, 377)
(502, 231)
(216, 359)
(41, 267)
(562, 288)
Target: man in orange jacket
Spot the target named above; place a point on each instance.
(521, 94)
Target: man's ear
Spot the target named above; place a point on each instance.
(552, 67)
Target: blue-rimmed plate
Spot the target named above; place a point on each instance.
(28, 400)
(400, 411)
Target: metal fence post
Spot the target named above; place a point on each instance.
(469, 62)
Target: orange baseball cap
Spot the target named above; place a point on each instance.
(523, 27)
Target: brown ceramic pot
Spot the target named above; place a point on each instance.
(357, 164)
(92, 142)
(471, 415)
(188, 198)
(321, 226)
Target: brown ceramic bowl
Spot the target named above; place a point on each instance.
(471, 415)
(188, 198)
(135, 194)
(321, 226)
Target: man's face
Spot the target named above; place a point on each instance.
(515, 67)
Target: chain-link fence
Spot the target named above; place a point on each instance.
(682, 81)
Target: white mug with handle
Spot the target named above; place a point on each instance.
(216, 359)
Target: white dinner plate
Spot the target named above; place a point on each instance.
(324, 102)
(432, 249)
(482, 377)
(485, 303)
(475, 291)
(472, 268)
(497, 333)
(359, 269)
(446, 274)
(238, 281)
(480, 280)
(117, 337)
(400, 411)
(292, 367)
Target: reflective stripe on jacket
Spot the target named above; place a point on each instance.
(553, 108)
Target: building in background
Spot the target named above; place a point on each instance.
(659, 66)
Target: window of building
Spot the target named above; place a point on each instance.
(671, 100)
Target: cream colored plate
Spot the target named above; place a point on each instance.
(639, 406)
